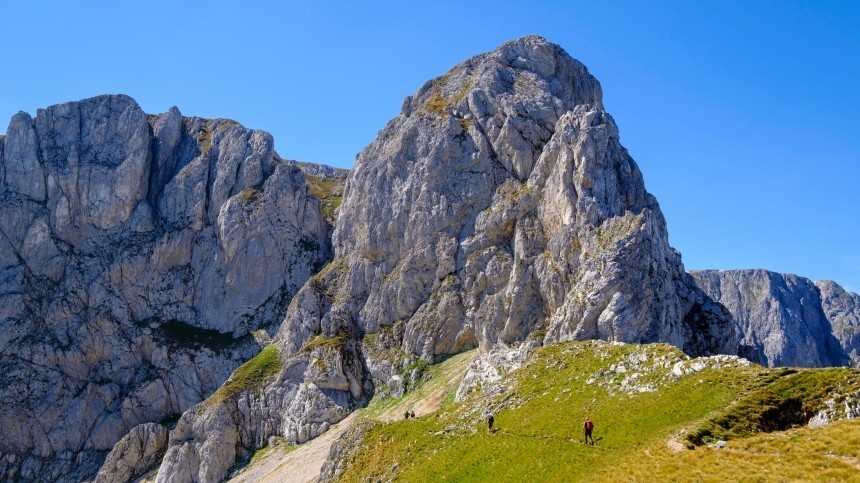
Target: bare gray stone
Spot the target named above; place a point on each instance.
(786, 320)
(134, 454)
(138, 254)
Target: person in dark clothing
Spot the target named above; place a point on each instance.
(406, 415)
(413, 414)
(588, 427)
(490, 421)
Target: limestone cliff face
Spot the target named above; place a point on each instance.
(786, 320)
(499, 203)
(137, 255)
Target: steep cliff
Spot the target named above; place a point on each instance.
(786, 320)
(499, 203)
(137, 255)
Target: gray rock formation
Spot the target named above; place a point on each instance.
(786, 320)
(138, 254)
(499, 202)
(135, 454)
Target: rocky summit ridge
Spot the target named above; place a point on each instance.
(164, 267)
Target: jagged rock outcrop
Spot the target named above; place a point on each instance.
(137, 255)
(499, 202)
(297, 399)
(786, 320)
(135, 454)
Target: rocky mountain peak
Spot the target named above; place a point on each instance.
(503, 161)
(498, 205)
(140, 257)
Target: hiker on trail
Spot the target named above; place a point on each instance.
(588, 427)
(490, 421)
(413, 414)
(406, 415)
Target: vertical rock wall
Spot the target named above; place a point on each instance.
(137, 255)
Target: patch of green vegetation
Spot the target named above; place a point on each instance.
(259, 454)
(336, 342)
(178, 334)
(513, 190)
(327, 281)
(250, 196)
(539, 424)
(830, 453)
(465, 123)
(537, 334)
(785, 398)
(414, 372)
(437, 103)
(204, 139)
(329, 191)
(251, 375)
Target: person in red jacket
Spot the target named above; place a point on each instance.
(588, 427)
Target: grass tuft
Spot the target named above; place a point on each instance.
(336, 342)
(329, 191)
(250, 196)
(251, 375)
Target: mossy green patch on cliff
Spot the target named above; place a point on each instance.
(204, 139)
(250, 196)
(321, 341)
(512, 190)
(251, 375)
(178, 334)
(538, 434)
(329, 191)
(437, 103)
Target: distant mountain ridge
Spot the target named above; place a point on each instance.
(787, 320)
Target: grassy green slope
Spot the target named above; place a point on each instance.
(539, 420)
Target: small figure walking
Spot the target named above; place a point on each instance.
(490, 421)
(406, 415)
(412, 414)
(588, 427)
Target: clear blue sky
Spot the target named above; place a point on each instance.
(743, 115)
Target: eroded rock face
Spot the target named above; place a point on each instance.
(134, 454)
(499, 202)
(786, 320)
(313, 389)
(137, 255)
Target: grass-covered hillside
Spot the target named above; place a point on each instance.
(659, 416)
